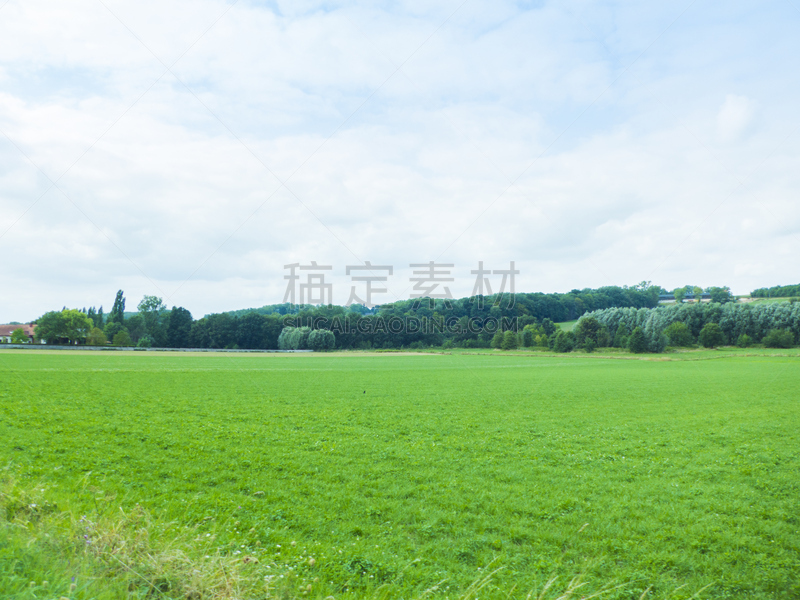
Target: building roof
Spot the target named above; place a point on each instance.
(7, 330)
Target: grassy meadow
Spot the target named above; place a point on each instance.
(463, 475)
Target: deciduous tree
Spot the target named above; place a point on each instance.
(497, 340)
(711, 335)
(122, 339)
(180, 326)
(678, 334)
(510, 341)
(637, 343)
(68, 324)
(96, 337)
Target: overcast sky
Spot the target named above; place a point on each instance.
(190, 150)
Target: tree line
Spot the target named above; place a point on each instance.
(467, 321)
(777, 291)
(774, 325)
(609, 316)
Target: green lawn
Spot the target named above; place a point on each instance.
(746, 300)
(342, 473)
(567, 325)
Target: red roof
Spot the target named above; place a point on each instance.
(7, 330)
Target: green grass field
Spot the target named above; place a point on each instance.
(567, 325)
(762, 300)
(385, 476)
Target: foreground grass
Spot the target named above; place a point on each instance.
(400, 476)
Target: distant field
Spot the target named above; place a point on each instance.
(567, 325)
(747, 300)
(333, 475)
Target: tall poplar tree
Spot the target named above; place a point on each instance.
(117, 314)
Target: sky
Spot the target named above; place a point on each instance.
(191, 150)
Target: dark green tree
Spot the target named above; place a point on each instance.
(49, 327)
(564, 341)
(678, 334)
(497, 340)
(151, 308)
(321, 340)
(587, 328)
(720, 294)
(711, 335)
(112, 328)
(251, 331)
(180, 327)
(527, 338)
(117, 314)
(548, 326)
(603, 337)
(96, 337)
(68, 325)
(621, 336)
(637, 343)
(510, 341)
(136, 327)
(778, 338)
(122, 339)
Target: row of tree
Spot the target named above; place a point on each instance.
(152, 325)
(305, 338)
(720, 295)
(469, 322)
(777, 291)
(556, 307)
(710, 324)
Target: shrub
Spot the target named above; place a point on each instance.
(587, 328)
(112, 329)
(711, 335)
(621, 336)
(656, 341)
(497, 340)
(96, 337)
(527, 338)
(744, 340)
(18, 336)
(294, 338)
(122, 339)
(321, 339)
(637, 342)
(778, 338)
(589, 345)
(678, 334)
(510, 341)
(563, 341)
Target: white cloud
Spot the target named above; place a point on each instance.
(734, 116)
(618, 175)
